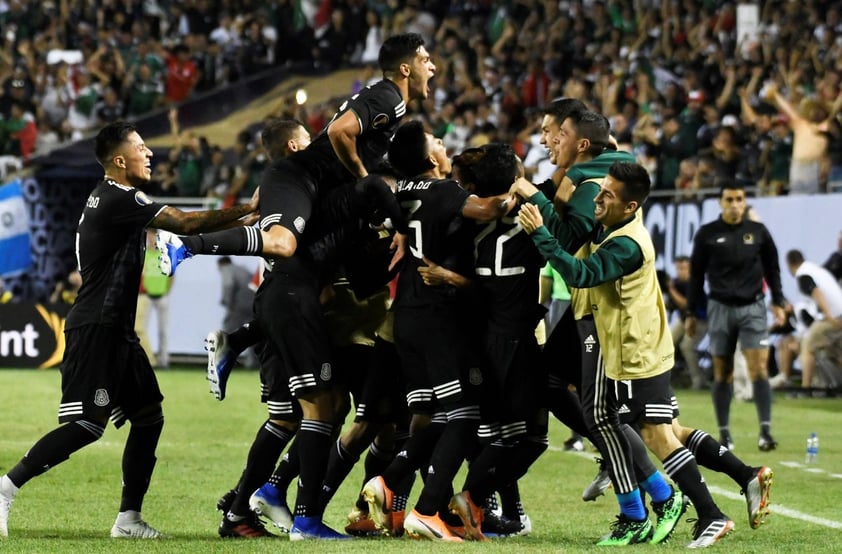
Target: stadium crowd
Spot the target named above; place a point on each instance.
(682, 90)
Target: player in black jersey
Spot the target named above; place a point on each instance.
(438, 365)
(506, 276)
(348, 148)
(105, 372)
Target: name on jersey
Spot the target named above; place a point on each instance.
(93, 202)
(413, 185)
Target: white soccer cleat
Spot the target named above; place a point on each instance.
(130, 525)
(7, 495)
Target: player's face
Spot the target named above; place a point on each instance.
(136, 160)
(682, 270)
(566, 145)
(301, 138)
(549, 135)
(438, 152)
(421, 70)
(610, 208)
(733, 205)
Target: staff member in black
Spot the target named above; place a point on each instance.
(736, 254)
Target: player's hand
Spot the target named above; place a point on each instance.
(690, 326)
(523, 188)
(399, 247)
(530, 218)
(779, 314)
(432, 274)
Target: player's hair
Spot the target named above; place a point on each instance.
(794, 257)
(408, 151)
(491, 168)
(635, 179)
(724, 183)
(109, 139)
(276, 134)
(561, 108)
(592, 126)
(398, 49)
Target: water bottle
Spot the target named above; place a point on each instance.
(812, 448)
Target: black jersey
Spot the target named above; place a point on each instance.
(508, 266)
(379, 108)
(110, 248)
(438, 232)
(340, 226)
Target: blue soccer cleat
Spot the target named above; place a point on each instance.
(304, 528)
(268, 502)
(172, 252)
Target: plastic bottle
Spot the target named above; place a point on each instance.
(812, 448)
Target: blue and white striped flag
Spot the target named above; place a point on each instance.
(15, 254)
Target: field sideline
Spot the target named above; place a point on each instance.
(203, 447)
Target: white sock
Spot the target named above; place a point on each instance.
(7, 487)
(129, 516)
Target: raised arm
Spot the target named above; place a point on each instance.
(343, 133)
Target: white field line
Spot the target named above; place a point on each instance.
(776, 508)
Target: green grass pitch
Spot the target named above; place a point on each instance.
(203, 447)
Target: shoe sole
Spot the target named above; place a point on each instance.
(164, 261)
(211, 346)
(459, 506)
(758, 518)
(375, 497)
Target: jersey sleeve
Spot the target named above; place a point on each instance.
(452, 197)
(132, 207)
(377, 108)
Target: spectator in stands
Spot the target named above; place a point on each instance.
(252, 160)
(187, 158)
(809, 146)
(820, 286)
(182, 74)
(144, 91)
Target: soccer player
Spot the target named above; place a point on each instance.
(280, 138)
(581, 145)
(441, 379)
(118, 382)
(618, 266)
(349, 146)
(507, 265)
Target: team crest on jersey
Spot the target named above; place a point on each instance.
(475, 376)
(299, 224)
(326, 373)
(380, 120)
(101, 397)
(141, 198)
(748, 238)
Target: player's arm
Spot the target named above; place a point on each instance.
(614, 259)
(191, 223)
(578, 221)
(343, 133)
(435, 275)
(488, 208)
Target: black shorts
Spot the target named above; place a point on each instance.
(647, 400)
(377, 384)
(290, 313)
(513, 381)
(274, 385)
(562, 355)
(439, 367)
(104, 375)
